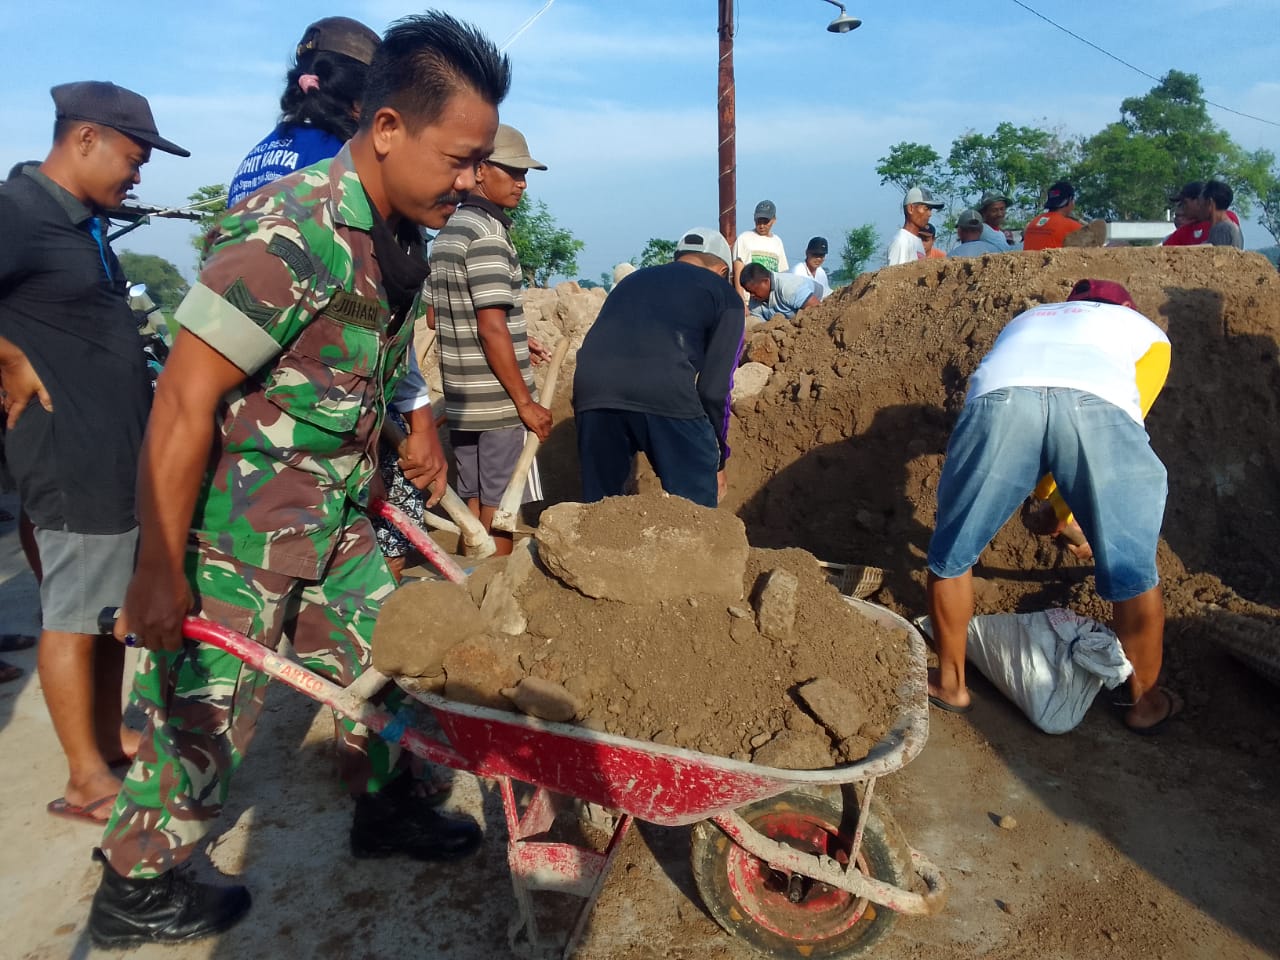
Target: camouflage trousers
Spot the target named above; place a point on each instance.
(203, 704)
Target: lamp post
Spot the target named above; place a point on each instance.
(726, 113)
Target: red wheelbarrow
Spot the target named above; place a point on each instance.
(796, 863)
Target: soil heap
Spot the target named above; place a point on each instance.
(652, 618)
(842, 451)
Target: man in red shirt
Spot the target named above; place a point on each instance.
(1191, 216)
(1051, 228)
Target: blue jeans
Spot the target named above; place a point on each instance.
(684, 453)
(1100, 457)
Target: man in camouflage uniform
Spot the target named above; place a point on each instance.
(260, 451)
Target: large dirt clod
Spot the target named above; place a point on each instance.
(419, 623)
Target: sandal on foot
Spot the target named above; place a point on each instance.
(64, 808)
(1174, 703)
(950, 707)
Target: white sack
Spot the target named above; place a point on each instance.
(1051, 663)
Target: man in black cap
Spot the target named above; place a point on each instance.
(76, 394)
(1049, 230)
(815, 253)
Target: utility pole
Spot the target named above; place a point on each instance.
(727, 117)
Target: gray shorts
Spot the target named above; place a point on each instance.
(485, 460)
(83, 572)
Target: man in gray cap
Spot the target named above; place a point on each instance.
(760, 245)
(76, 393)
(655, 374)
(974, 241)
(485, 348)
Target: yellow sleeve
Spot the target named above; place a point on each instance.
(1150, 372)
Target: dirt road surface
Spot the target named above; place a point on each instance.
(1124, 847)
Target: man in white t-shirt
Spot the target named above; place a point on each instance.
(973, 240)
(1061, 389)
(815, 252)
(760, 245)
(917, 207)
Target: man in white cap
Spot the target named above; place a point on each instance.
(655, 374)
(485, 347)
(917, 207)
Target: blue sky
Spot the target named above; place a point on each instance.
(618, 98)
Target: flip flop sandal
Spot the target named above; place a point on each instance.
(949, 707)
(1175, 707)
(10, 642)
(62, 808)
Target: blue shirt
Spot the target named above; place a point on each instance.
(976, 248)
(787, 294)
(287, 148)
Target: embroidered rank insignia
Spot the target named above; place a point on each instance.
(238, 296)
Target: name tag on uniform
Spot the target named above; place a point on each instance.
(358, 311)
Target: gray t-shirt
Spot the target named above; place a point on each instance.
(1226, 234)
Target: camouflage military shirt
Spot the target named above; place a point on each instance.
(290, 292)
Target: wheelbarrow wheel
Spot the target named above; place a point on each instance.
(795, 916)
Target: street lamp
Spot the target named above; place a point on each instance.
(727, 116)
(842, 23)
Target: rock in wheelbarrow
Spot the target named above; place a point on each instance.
(644, 549)
(419, 623)
(543, 699)
(478, 669)
(834, 706)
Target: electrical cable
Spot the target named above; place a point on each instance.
(1136, 69)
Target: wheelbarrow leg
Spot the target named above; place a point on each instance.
(556, 867)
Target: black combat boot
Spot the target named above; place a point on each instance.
(167, 909)
(394, 821)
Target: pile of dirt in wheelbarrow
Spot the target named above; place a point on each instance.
(652, 618)
(842, 451)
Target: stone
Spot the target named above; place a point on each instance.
(580, 688)
(477, 670)
(838, 710)
(749, 381)
(678, 549)
(1007, 823)
(544, 700)
(760, 739)
(419, 623)
(742, 631)
(739, 612)
(483, 572)
(500, 610)
(776, 604)
(795, 751)
(762, 348)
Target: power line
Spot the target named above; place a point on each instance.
(1136, 69)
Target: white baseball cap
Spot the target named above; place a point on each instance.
(921, 195)
(705, 240)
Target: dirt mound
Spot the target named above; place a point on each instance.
(841, 453)
(783, 669)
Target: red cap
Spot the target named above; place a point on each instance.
(1102, 291)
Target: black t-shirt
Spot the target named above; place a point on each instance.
(666, 342)
(63, 303)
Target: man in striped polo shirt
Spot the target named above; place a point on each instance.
(485, 349)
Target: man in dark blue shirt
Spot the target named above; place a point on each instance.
(76, 393)
(655, 374)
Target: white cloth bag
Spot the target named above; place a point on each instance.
(1051, 663)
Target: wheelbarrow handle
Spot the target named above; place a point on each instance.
(418, 538)
(389, 726)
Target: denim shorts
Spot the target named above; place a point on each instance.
(1101, 458)
(83, 572)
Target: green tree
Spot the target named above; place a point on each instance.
(1017, 162)
(164, 283)
(211, 202)
(1163, 139)
(656, 252)
(914, 164)
(545, 249)
(1269, 202)
(586, 284)
(860, 244)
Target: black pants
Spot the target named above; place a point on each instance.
(684, 453)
